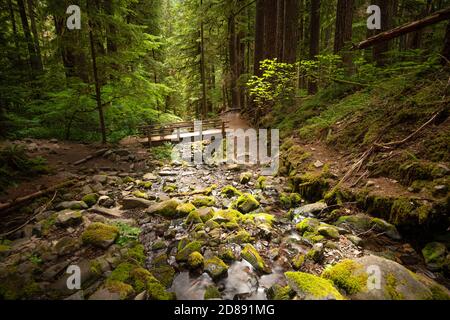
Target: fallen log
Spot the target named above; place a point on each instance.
(40, 193)
(434, 18)
(92, 156)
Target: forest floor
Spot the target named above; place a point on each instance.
(130, 213)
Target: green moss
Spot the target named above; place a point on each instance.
(328, 231)
(250, 254)
(225, 253)
(347, 275)
(277, 292)
(193, 217)
(435, 254)
(391, 287)
(216, 268)
(164, 273)
(166, 208)
(290, 200)
(230, 191)
(128, 179)
(261, 183)
(228, 215)
(124, 290)
(307, 225)
(195, 260)
(170, 188)
(183, 209)
(308, 286)
(146, 184)
(203, 201)
(298, 261)
(212, 292)
(90, 199)
(401, 209)
(311, 186)
(246, 203)
(259, 218)
(245, 177)
(14, 286)
(183, 254)
(136, 254)
(122, 272)
(140, 194)
(100, 234)
(242, 236)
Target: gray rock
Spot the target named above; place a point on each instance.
(75, 205)
(133, 203)
(309, 209)
(149, 177)
(106, 201)
(66, 245)
(68, 218)
(100, 178)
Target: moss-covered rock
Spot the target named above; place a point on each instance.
(184, 252)
(261, 183)
(67, 218)
(230, 191)
(311, 287)
(245, 177)
(364, 223)
(90, 199)
(435, 254)
(203, 201)
(164, 273)
(195, 260)
(212, 292)
(328, 231)
(260, 218)
(170, 188)
(166, 208)
(347, 275)
(246, 203)
(145, 184)
(290, 200)
(216, 268)
(100, 235)
(140, 194)
(143, 279)
(193, 218)
(250, 254)
(297, 261)
(277, 292)
(206, 213)
(183, 209)
(228, 215)
(307, 225)
(226, 253)
(311, 186)
(242, 236)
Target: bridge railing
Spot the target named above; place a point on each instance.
(160, 132)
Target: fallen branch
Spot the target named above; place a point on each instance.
(92, 156)
(434, 18)
(18, 201)
(44, 207)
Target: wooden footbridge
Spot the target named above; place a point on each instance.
(175, 132)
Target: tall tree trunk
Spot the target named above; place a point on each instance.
(259, 37)
(344, 19)
(234, 63)
(98, 96)
(380, 50)
(291, 28)
(270, 29)
(280, 29)
(34, 64)
(314, 40)
(203, 65)
(446, 49)
(37, 46)
(14, 28)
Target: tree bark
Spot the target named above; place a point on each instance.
(98, 96)
(234, 63)
(314, 39)
(203, 65)
(280, 30)
(380, 49)
(14, 28)
(270, 29)
(446, 49)
(34, 64)
(37, 46)
(259, 37)
(344, 19)
(291, 28)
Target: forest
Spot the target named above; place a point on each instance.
(99, 99)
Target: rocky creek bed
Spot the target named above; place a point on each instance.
(177, 231)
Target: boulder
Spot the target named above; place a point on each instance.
(246, 203)
(67, 218)
(435, 255)
(216, 268)
(166, 208)
(311, 287)
(250, 254)
(74, 205)
(133, 203)
(100, 235)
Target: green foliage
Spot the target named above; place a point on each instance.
(275, 85)
(127, 233)
(163, 152)
(15, 164)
